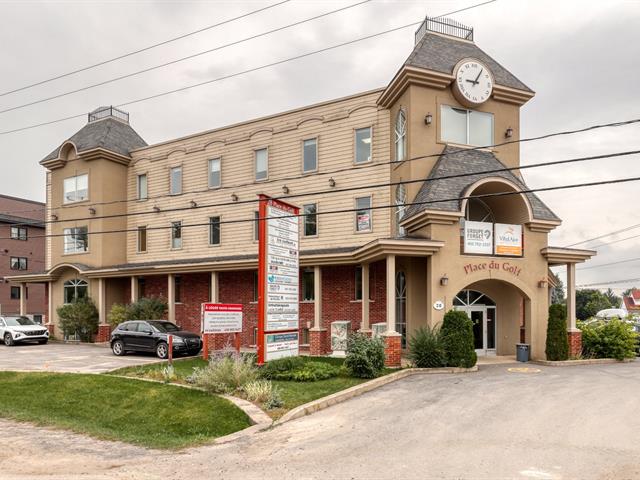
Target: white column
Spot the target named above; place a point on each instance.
(135, 292)
(23, 299)
(171, 294)
(215, 288)
(317, 297)
(571, 297)
(364, 325)
(102, 301)
(391, 294)
(50, 306)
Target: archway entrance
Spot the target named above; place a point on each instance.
(482, 312)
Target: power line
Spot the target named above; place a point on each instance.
(616, 241)
(326, 191)
(605, 235)
(150, 47)
(609, 264)
(181, 59)
(225, 77)
(611, 282)
(351, 210)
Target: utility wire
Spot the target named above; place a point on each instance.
(181, 59)
(611, 282)
(605, 235)
(150, 47)
(609, 264)
(254, 69)
(351, 210)
(155, 211)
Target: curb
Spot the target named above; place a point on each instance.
(589, 361)
(357, 390)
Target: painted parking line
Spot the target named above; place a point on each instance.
(523, 370)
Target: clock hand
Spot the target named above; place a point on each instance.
(475, 82)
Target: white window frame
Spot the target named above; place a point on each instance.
(75, 179)
(18, 233)
(19, 263)
(467, 132)
(211, 162)
(146, 239)
(255, 164)
(219, 231)
(71, 244)
(357, 229)
(355, 145)
(176, 242)
(401, 208)
(139, 185)
(304, 141)
(400, 131)
(74, 284)
(171, 184)
(304, 220)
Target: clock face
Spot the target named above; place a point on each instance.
(474, 83)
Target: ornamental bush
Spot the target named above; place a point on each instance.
(365, 356)
(281, 366)
(225, 374)
(309, 372)
(557, 347)
(79, 318)
(426, 349)
(147, 308)
(611, 339)
(457, 340)
(118, 314)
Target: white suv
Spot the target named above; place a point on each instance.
(22, 329)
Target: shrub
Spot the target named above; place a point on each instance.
(258, 390)
(275, 401)
(457, 340)
(365, 356)
(79, 317)
(611, 339)
(281, 365)
(119, 313)
(557, 341)
(225, 374)
(426, 349)
(147, 308)
(309, 372)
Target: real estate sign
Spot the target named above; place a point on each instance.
(278, 309)
(508, 239)
(478, 237)
(221, 318)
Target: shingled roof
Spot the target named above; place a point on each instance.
(442, 53)
(443, 194)
(108, 133)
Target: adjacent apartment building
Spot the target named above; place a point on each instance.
(22, 252)
(405, 217)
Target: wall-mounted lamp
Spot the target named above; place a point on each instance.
(193, 204)
(92, 210)
(542, 283)
(54, 217)
(234, 197)
(428, 118)
(508, 133)
(285, 189)
(444, 281)
(332, 182)
(156, 208)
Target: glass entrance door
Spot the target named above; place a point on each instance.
(482, 312)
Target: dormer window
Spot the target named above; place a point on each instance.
(76, 189)
(466, 127)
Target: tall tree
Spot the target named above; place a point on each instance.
(589, 302)
(557, 292)
(614, 300)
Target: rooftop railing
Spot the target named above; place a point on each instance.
(444, 26)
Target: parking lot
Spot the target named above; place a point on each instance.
(67, 357)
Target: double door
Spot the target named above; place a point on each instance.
(484, 327)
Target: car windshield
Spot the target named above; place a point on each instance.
(18, 321)
(164, 327)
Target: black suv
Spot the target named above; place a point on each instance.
(153, 336)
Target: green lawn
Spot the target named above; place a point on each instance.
(142, 413)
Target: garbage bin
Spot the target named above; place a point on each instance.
(522, 352)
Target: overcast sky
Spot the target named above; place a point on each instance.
(581, 58)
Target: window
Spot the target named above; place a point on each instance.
(214, 173)
(177, 289)
(214, 230)
(363, 214)
(358, 284)
(363, 145)
(176, 234)
(18, 263)
(256, 226)
(19, 233)
(15, 293)
(304, 337)
(142, 287)
(401, 200)
(143, 193)
(175, 179)
(308, 285)
(310, 155)
(401, 136)
(310, 220)
(142, 239)
(74, 290)
(37, 319)
(255, 286)
(76, 189)
(76, 240)
(466, 127)
(262, 164)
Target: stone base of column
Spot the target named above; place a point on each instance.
(575, 343)
(104, 333)
(366, 331)
(318, 341)
(392, 349)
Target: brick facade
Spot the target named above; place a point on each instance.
(103, 335)
(575, 343)
(392, 350)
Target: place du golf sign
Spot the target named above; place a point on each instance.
(492, 265)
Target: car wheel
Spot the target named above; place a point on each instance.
(162, 350)
(42, 342)
(117, 348)
(8, 340)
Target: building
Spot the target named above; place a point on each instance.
(22, 252)
(431, 223)
(631, 302)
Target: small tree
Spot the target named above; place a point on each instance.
(557, 347)
(365, 356)
(457, 340)
(118, 314)
(425, 348)
(79, 317)
(147, 308)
